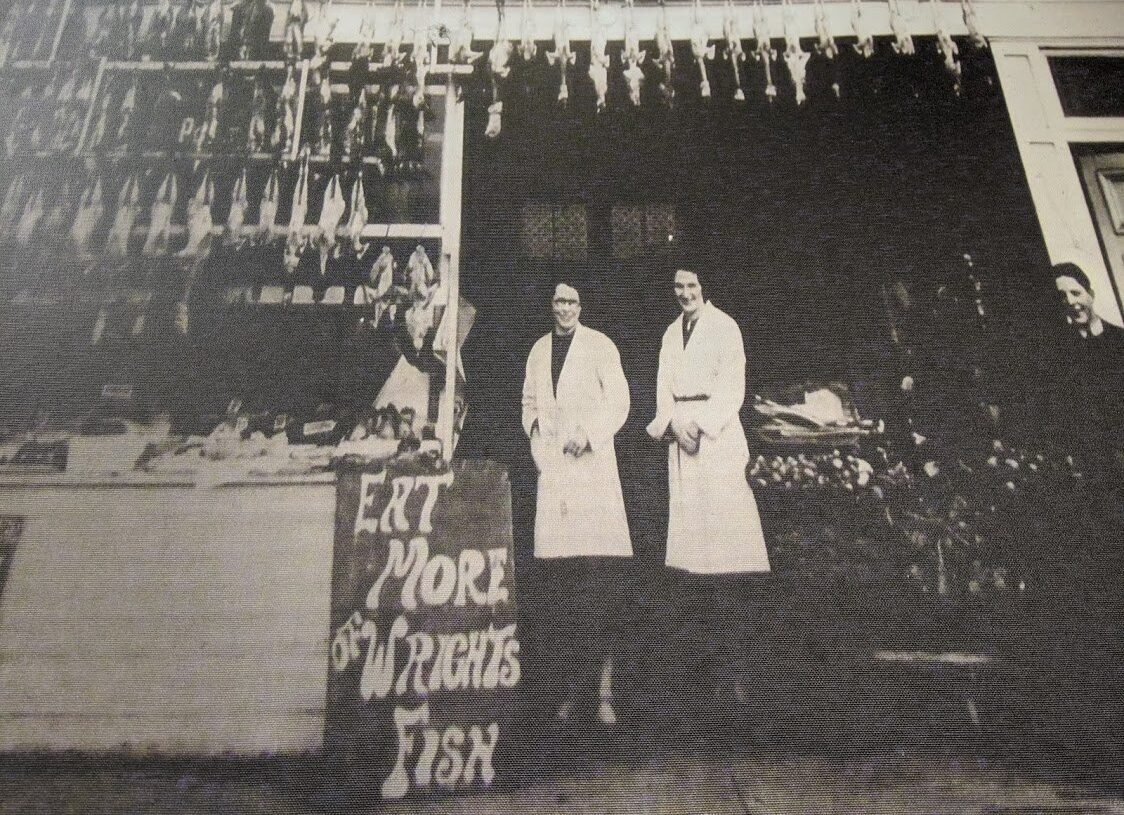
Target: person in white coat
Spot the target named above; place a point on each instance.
(713, 524)
(575, 400)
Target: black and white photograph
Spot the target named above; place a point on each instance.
(568, 407)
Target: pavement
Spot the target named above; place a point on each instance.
(890, 783)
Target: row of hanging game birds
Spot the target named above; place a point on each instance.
(300, 28)
(26, 214)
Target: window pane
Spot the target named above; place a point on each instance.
(628, 232)
(1089, 86)
(537, 230)
(570, 233)
(661, 225)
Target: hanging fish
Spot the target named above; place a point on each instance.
(101, 126)
(200, 220)
(665, 57)
(90, 212)
(295, 20)
(562, 55)
(903, 42)
(632, 56)
(236, 217)
(390, 130)
(763, 51)
(331, 216)
(499, 62)
(864, 40)
(200, 25)
(267, 208)
(357, 220)
(297, 240)
(598, 54)
(733, 53)
(128, 208)
(795, 57)
(29, 220)
(160, 222)
(421, 56)
(825, 44)
(701, 49)
(460, 42)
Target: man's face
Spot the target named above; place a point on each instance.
(567, 308)
(688, 291)
(1078, 300)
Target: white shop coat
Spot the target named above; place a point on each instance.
(579, 509)
(713, 524)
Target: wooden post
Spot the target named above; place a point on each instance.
(452, 167)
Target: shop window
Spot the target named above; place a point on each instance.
(1090, 86)
(639, 230)
(551, 232)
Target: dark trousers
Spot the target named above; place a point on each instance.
(581, 616)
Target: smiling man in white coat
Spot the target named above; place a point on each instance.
(713, 524)
(575, 400)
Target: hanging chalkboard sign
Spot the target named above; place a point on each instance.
(423, 650)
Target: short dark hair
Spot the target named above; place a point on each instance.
(1074, 271)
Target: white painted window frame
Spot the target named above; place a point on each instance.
(1045, 136)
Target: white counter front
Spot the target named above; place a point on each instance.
(149, 613)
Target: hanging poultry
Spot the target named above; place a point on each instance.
(528, 49)
(563, 55)
(297, 240)
(733, 53)
(296, 18)
(701, 50)
(200, 220)
(285, 122)
(90, 211)
(257, 132)
(357, 220)
(499, 63)
(128, 208)
(903, 42)
(421, 56)
(825, 45)
(160, 221)
(598, 55)
(331, 216)
(764, 52)
(324, 136)
(322, 41)
(239, 206)
(864, 40)
(795, 57)
(29, 220)
(267, 207)
(460, 41)
(632, 56)
(665, 57)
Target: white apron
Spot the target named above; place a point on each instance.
(579, 508)
(713, 524)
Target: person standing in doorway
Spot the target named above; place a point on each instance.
(714, 534)
(575, 400)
